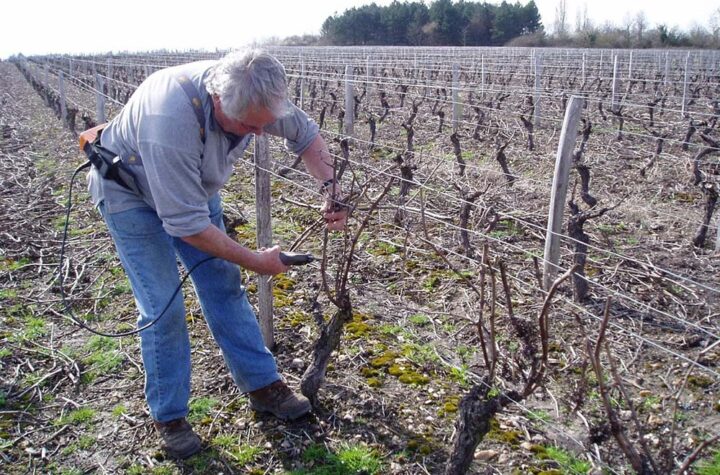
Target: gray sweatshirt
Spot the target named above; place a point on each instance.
(158, 135)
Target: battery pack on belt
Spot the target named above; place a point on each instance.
(108, 164)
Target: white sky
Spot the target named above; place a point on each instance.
(73, 26)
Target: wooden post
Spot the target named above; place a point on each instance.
(538, 90)
(455, 97)
(613, 100)
(100, 100)
(563, 163)
(667, 68)
(61, 89)
(349, 101)
(264, 235)
(685, 83)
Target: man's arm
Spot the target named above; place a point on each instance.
(215, 242)
(319, 163)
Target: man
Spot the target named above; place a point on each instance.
(177, 213)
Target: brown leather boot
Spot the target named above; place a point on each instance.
(180, 440)
(279, 400)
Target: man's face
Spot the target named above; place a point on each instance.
(253, 122)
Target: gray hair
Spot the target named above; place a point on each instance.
(249, 78)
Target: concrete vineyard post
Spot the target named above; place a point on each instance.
(482, 76)
(613, 100)
(264, 235)
(367, 76)
(583, 68)
(455, 97)
(302, 83)
(349, 102)
(538, 91)
(532, 62)
(100, 100)
(563, 163)
(685, 84)
(61, 89)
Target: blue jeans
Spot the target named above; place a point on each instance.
(149, 257)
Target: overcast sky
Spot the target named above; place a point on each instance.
(73, 26)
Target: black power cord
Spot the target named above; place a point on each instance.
(287, 258)
(61, 279)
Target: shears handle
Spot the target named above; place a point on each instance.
(295, 258)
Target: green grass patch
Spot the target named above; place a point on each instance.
(118, 411)
(32, 328)
(200, 409)
(539, 416)
(83, 415)
(241, 453)
(568, 463)
(465, 352)
(419, 320)
(709, 466)
(460, 375)
(431, 282)
(350, 459)
(507, 228)
(382, 248)
(11, 265)
(388, 329)
(121, 288)
(83, 443)
(649, 403)
(7, 294)
(420, 354)
(612, 228)
(103, 357)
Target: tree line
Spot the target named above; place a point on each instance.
(442, 23)
(463, 23)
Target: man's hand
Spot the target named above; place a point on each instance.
(320, 164)
(214, 241)
(268, 262)
(335, 213)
